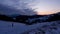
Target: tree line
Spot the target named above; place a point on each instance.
(31, 19)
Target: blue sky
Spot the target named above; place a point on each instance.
(39, 6)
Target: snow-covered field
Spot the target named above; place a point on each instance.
(39, 28)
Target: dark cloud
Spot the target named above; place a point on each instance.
(10, 7)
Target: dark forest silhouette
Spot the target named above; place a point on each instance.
(55, 17)
(6, 18)
(25, 19)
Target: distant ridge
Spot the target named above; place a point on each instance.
(31, 19)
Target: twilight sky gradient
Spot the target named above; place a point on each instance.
(46, 6)
(41, 7)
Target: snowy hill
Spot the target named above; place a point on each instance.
(39, 28)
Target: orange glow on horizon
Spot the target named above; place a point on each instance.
(45, 12)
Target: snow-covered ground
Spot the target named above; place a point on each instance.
(39, 28)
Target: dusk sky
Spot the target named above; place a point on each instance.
(41, 7)
(47, 6)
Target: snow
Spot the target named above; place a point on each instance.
(6, 27)
(39, 28)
